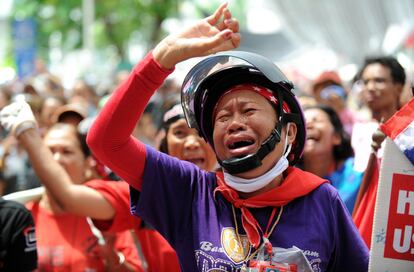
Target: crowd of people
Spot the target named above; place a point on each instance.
(229, 171)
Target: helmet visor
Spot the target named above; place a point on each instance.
(220, 62)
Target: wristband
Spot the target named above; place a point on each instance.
(23, 127)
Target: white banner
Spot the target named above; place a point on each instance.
(26, 196)
(392, 245)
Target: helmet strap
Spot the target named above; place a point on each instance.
(252, 161)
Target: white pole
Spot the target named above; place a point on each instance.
(88, 10)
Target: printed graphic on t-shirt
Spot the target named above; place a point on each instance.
(30, 237)
(314, 259)
(225, 256)
(234, 250)
(63, 257)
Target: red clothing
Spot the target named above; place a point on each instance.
(160, 256)
(113, 128)
(127, 160)
(117, 194)
(297, 184)
(158, 252)
(65, 243)
(364, 215)
(130, 100)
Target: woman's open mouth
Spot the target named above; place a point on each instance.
(241, 148)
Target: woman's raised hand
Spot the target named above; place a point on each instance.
(218, 32)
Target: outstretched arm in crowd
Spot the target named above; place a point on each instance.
(77, 199)
(110, 136)
(74, 198)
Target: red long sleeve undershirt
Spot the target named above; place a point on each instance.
(110, 136)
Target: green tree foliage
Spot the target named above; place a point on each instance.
(115, 21)
(60, 22)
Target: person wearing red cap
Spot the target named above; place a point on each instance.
(328, 89)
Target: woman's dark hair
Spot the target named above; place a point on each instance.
(164, 144)
(168, 117)
(81, 137)
(344, 150)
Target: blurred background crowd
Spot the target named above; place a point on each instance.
(65, 58)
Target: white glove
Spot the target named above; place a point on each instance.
(17, 117)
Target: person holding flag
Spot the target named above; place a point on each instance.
(383, 81)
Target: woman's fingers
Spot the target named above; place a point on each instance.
(218, 32)
(232, 24)
(216, 16)
(229, 41)
(235, 39)
(225, 40)
(224, 19)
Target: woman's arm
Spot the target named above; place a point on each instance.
(74, 198)
(110, 136)
(78, 199)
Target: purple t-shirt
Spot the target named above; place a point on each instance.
(177, 198)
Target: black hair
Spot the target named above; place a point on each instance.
(166, 106)
(397, 71)
(164, 143)
(344, 150)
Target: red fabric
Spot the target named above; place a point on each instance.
(110, 135)
(409, 41)
(399, 121)
(297, 183)
(327, 76)
(65, 243)
(364, 215)
(158, 253)
(117, 194)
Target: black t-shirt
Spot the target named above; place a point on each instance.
(18, 250)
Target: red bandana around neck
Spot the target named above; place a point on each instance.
(297, 183)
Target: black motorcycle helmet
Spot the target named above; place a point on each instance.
(208, 80)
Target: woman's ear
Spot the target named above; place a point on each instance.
(337, 139)
(292, 131)
(90, 166)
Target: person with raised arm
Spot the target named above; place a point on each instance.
(258, 213)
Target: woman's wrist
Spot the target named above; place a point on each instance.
(162, 55)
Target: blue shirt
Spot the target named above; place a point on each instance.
(347, 181)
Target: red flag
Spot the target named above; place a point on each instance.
(364, 214)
